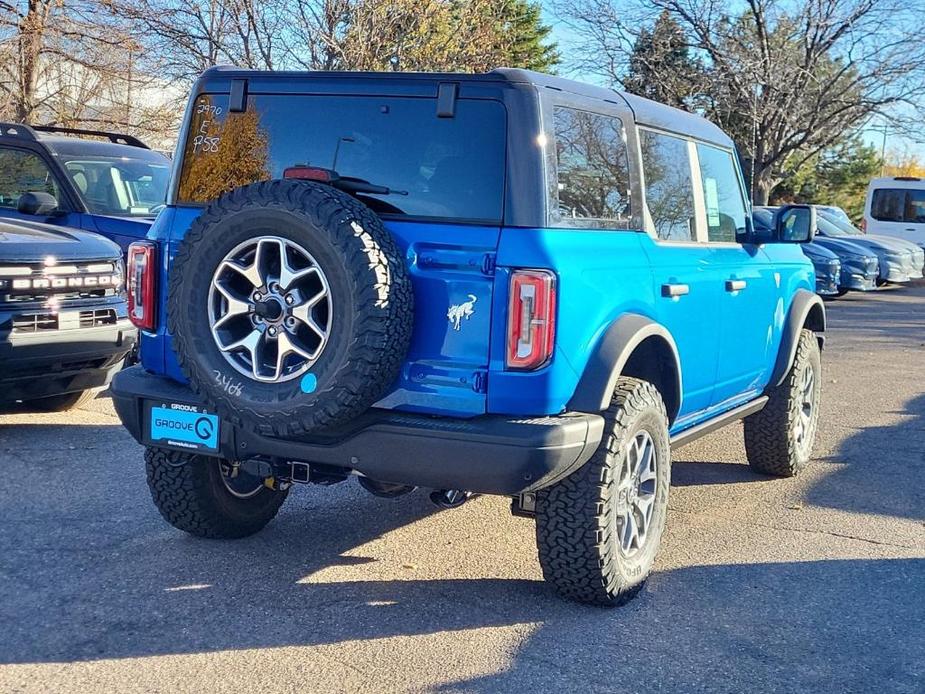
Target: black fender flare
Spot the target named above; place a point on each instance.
(806, 311)
(609, 358)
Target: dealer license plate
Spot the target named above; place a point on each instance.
(183, 426)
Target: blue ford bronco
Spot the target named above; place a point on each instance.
(503, 283)
(103, 182)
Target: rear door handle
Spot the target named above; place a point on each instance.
(735, 285)
(675, 290)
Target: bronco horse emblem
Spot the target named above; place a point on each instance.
(459, 311)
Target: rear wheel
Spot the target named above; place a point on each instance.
(598, 530)
(209, 497)
(779, 439)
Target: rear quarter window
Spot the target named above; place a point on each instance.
(592, 170)
(445, 167)
(898, 205)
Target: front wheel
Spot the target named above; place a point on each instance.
(209, 497)
(63, 402)
(598, 530)
(779, 439)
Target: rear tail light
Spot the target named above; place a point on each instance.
(141, 271)
(531, 319)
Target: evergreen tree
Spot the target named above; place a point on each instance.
(661, 67)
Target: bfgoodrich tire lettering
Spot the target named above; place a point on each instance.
(191, 495)
(779, 438)
(369, 289)
(578, 532)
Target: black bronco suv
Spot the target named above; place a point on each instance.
(64, 328)
(504, 283)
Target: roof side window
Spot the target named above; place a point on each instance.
(592, 169)
(669, 187)
(23, 172)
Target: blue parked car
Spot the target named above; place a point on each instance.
(504, 283)
(114, 185)
(900, 260)
(840, 265)
(827, 267)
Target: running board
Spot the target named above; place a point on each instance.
(685, 437)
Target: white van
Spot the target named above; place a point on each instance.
(895, 206)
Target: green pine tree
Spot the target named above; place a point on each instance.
(661, 67)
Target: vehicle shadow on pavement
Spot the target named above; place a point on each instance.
(92, 572)
(847, 625)
(686, 473)
(878, 469)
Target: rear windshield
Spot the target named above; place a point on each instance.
(898, 205)
(448, 167)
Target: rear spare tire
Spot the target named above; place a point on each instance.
(290, 307)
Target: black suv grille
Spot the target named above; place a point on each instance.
(34, 282)
(38, 322)
(35, 322)
(102, 316)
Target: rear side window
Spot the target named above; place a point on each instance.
(23, 172)
(443, 167)
(898, 205)
(669, 189)
(722, 194)
(593, 168)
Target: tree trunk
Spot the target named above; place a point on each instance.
(762, 185)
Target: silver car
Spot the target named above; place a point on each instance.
(904, 260)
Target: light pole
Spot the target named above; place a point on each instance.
(882, 129)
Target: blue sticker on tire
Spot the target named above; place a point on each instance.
(184, 428)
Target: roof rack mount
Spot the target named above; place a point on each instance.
(116, 138)
(20, 130)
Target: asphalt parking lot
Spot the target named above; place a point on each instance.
(762, 585)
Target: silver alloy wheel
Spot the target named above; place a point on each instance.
(239, 484)
(637, 486)
(804, 424)
(270, 309)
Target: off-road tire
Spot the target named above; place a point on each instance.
(370, 288)
(63, 402)
(770, 439)
(189, 493)
(576, 518)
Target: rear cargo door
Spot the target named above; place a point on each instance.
(452, 270)
(433, 163)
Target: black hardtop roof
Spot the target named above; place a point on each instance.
(645, 111)
(63, 144)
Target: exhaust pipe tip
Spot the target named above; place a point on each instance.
(449, 498)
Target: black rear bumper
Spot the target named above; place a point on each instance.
(490, 454)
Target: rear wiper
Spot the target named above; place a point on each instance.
(351, 184)
(348, 184)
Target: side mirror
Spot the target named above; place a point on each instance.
(795, 224)
(37, 203)
(754, 234)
